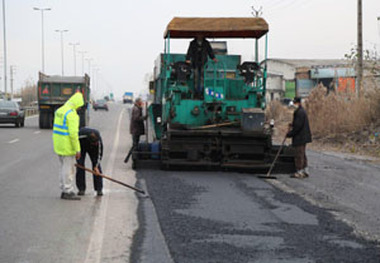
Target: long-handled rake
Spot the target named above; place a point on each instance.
(268, 176)
(109, 178)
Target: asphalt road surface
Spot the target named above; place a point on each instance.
(333, 216)
(36, 225)
(196, 217)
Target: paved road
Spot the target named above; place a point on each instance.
(190, 216)
(235, 217)
(36, 225)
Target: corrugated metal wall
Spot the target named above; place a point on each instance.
(304, 87)
(327, 73)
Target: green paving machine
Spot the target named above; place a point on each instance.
(225, 127)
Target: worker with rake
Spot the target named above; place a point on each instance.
(91, 143)
(301, 135)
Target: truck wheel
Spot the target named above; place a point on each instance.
(42, 120)
(51, 120)
(46, 120)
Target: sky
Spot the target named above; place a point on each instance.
(122, 38)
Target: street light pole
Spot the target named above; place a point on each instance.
(62, 31)
(42, 35)
(12, 71)
(89, 65)
(82, 53)
(75, 56)
(5, 50)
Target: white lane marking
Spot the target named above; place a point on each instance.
(13, 141)
(37, 132)
(94, 250)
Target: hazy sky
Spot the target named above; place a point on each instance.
(124, 37)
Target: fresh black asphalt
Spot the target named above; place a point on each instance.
(230, 217)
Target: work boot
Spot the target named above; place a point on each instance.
(81, 192)
(305, 174)
(298, 175)
(69, 196)
(99, 193)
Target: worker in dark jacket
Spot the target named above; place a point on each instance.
(91, 143)
(136, 126)
(197, 54)
(301, 135)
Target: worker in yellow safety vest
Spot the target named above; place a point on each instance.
(66, 143)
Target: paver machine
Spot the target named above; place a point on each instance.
(226, 127)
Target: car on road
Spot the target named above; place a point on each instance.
(100, 105)
(10, 112)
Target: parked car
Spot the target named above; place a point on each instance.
(10, 112)
(100, 104)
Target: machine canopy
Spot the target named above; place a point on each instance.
(231, 27)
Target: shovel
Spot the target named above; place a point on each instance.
(109, 178)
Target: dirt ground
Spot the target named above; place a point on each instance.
(365, 144)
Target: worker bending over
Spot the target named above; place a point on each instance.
(91, 143)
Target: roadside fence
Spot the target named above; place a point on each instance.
(30, 111)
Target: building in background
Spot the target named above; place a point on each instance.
(297, 77)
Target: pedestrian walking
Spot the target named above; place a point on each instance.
(197, 54)
(136, 127)
(91, 143)
(301, 135)
(66, 143)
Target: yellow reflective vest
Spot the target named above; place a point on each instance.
(66, 126)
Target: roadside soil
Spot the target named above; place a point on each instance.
(364, 144)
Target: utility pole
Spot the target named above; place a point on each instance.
(257, 13)
(5, 51)
(12, 71)
(62, 31)
(42, 35)
(378, 25)
(359, 71)
(75, 56)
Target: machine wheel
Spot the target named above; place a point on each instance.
(22, 122)
(17, 123)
